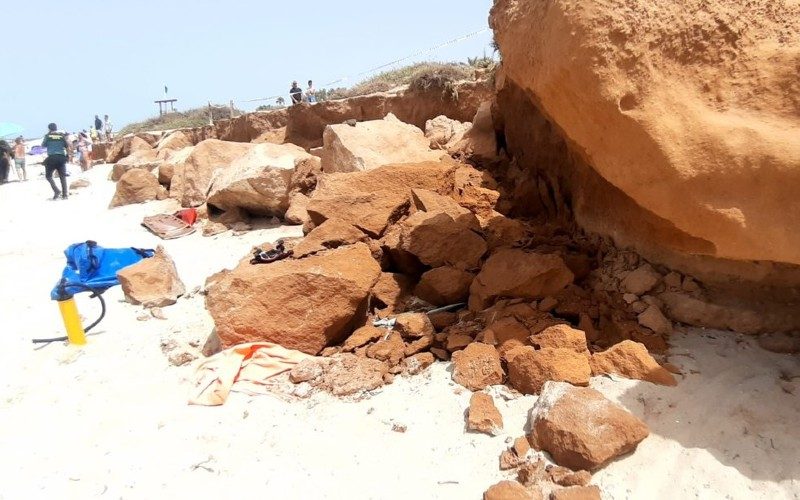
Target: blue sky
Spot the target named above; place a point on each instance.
(90, 57)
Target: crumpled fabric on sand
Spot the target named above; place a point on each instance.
(249, 364)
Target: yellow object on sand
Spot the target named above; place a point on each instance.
(72, 321)
(253, 363)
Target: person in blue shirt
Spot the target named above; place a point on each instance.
(56, 161)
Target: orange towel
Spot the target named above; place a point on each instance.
(253, 363)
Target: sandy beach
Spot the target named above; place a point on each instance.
(110, 420)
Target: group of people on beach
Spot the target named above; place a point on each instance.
(61, 148)
(298, 95)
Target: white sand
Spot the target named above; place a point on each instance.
(110, 420)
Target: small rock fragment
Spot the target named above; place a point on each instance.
(418, 362)
(456, 342)
(529, 369)
(631, 360)
(548, 304)
(362, 336)
(641, 281)
(577, 493)
(655, 320)
(561, 337)
(414, 325)
(483, 415)
(563, 476)
(306, 370)
(477, 366)
(510, 490)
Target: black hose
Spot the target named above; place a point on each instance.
(95, 293)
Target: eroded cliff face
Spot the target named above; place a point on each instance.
(672, 127)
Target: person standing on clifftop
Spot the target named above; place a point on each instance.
(109, 129)
(57, 149)
(311, 94)
(98, 124)
(296, 93)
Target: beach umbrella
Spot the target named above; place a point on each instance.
(7, 129)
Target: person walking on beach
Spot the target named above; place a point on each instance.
(6, 154)
(311, 94)
(19, 159)
(56, 161)
(84, 152)
(109, 129)
(296, 93)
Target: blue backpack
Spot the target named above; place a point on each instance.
(90, 265)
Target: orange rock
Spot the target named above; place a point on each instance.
(414, 325)
(392, 290)
(373, 143)
(532, 473)
(418, 362)
(429, 201)
(419, 345)
(509, 460)
(391, 349)
(477, 366)
(175, 141)
(152, 282)
(580, 428)
(137, 186)
(561, 337)
(587, 326)
(307, 370)
(444, 285)
(312, 301)
(501, 231)
(529, 369)
(644, 190)
(631, 360)
(483, 415)
(144, 159)
(362, 336)
(370, 212)
(563, 476)
(510, 490)
(641, 280)
(437, 240)
(654, 319)
(191, 179)
(521, 446)
(443, 319)
(348, 374)
(259, 181)
(506, 334)
(577, 493)
(457, 341)
(296, 213)
(332, 233)
(517, 273)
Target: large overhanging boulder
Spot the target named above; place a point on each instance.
(686, 113)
